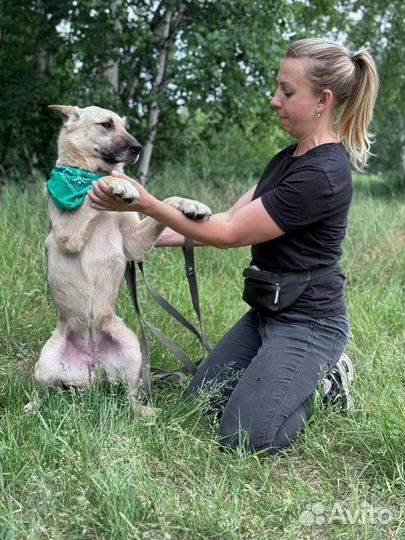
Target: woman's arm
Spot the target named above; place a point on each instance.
(245, 199)
(246, 223)
(170, 238)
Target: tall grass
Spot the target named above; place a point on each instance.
(83, 465)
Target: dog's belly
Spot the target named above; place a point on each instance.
(87, 350)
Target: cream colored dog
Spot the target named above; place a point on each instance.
(87, 251)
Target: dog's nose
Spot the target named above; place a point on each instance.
(135, 147)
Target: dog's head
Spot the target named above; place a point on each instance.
(94, 139)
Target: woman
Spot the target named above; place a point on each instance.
(270, 364)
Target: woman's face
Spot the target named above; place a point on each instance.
(295, 101)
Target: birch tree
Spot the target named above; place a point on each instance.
(158, 63)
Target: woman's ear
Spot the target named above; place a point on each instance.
(324, 100)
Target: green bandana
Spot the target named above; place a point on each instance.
(69, 186)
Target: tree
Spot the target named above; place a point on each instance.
(380, 27)
(148, 63)
(29, 80)
(181, 55)
(166, 64)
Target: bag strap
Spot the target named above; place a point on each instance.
(146, 369)
(189, 366)
(174, 312)
(319, 272)
(188, 251)
(130, 276)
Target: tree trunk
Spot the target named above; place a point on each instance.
(129, 93)
(43, 61)
(158, 86)
(111, 69)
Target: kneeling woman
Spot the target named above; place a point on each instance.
(270, 363)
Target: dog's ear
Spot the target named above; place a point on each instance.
(68, 112)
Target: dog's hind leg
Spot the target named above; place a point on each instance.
(62, 364)
(120, 354)
(47, 369)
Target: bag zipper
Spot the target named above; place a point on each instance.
(277, 295)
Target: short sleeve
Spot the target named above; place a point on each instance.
(302, 198)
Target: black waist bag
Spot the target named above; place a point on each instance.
(270, 293)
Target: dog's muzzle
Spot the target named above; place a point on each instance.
(124, 153)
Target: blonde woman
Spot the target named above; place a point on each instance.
(271, 362)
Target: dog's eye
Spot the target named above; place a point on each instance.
(107, 125)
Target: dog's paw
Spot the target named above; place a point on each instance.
(192, 209)
(28, 408)
(31, 406)
(122, 189)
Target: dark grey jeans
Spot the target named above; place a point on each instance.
(265, 372)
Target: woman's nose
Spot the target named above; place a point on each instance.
(275, 102)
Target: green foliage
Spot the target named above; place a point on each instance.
(222, 61)
(230, 156)
(381, 29)
(27, 83)
(62, 53)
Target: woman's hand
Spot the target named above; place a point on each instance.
(103, 199)
(246, 224)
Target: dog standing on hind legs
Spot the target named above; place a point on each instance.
(87, 251)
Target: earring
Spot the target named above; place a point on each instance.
(317, 114)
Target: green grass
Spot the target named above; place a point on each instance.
(84, 466)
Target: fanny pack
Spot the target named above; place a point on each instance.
(270, 293)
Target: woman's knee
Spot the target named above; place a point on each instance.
(209, 378)
(292, 426)
(229, 358)
(255, 435)
(245, 437)
(240, 428)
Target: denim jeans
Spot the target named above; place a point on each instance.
(266, 371)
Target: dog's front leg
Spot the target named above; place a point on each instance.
(195, 210)
(139, 236)
(73, 228)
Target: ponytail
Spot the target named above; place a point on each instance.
(358, 111)
(353, 80)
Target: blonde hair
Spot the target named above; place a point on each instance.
(353, 80)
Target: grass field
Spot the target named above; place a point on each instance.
(84, 466)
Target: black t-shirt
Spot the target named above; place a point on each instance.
(308, 197)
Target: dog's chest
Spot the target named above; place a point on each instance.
(103, 252)
(101, 255)
(106, 234)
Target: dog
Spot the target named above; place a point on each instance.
(87, 252)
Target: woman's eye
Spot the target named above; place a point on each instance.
(287, 94)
